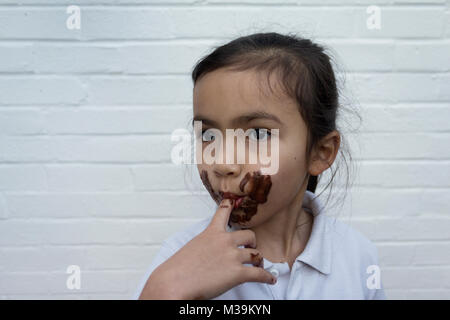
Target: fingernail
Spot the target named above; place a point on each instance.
(274, 280)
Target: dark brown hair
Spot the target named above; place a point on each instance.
(305, 72)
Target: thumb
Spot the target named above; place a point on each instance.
(222, 215)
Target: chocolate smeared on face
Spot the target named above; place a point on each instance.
(257, 187)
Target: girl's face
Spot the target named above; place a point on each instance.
(226, 99)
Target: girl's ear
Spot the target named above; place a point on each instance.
(325, 152)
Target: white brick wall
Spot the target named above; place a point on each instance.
(86, 117)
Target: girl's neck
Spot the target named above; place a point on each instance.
(285, 235)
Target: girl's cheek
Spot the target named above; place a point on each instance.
(273, 197)
(205, 180)
(281, 190)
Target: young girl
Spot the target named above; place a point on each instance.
(270, 237)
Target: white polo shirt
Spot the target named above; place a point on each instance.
(338, 262)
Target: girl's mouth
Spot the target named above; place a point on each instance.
(255, 187)
(238, 202)
(237, 198)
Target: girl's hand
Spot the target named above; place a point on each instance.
(210, 264)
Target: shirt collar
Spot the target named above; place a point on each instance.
(318, 250)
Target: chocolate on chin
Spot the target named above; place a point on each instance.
(256, 187)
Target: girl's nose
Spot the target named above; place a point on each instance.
(227, 169)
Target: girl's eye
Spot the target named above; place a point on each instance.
(255, 134)
(207, 135)
(259, 134)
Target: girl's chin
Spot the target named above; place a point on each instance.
(240, 225)
(236, 218)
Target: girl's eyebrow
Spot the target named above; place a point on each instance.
(205, 120)
(241, 119)
(256, 115)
